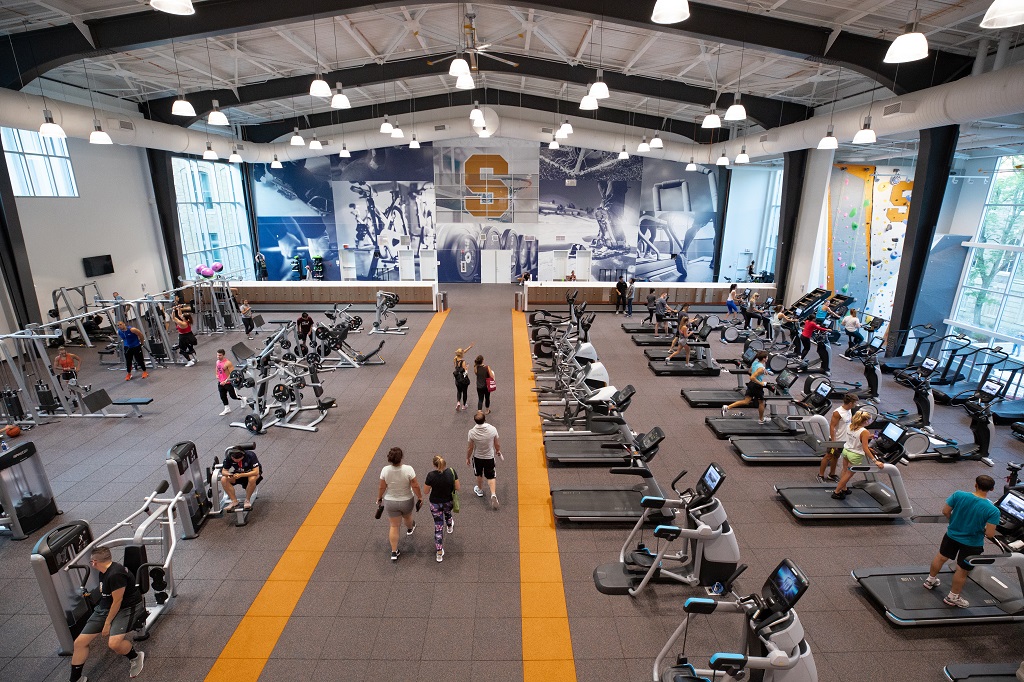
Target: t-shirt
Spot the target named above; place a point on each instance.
(851, 323)
(482, 437)
(651, 300)
(399, 480)
(970, 515)
(810, 326)
(129, 338)
(305, 325)
(757, 364)
(661, 307)
(442, 484)
(244, 465)
(482, 372)
(853, 443)
(843, 427)
(113, 579)
(620, 286)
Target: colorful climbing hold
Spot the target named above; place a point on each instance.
(853, 212)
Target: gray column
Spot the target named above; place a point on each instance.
(807, 248)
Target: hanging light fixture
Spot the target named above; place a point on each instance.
(179, 7)
(182, 107)
(234, 158)
(209, 154)
(396, 131)
(476, 114)
(723, 160)
(599, 90)
(865, 135)
(98, 136)
(344, 153)
(315, 143)
(49, 128)
(911, 46)
(566, 127)
(742, 156)
(415, 144)
(643, 147)
(484, 132)
(217, 117)
(553, 144)
(297, 140)
(656, 141)
(691, 166)
(275, 164)
(736, 111)
(560, 134)
(465, 82)
(319, 87)
(670, 11)
(340, 100)
(386, 128)
(829, 141)
(1004, 14)
(588, 102)
(459, 67)
(623, 155)
(711, 120)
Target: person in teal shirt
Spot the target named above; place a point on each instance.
(972, 518)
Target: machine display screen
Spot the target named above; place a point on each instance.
(893, 432)
(768, 301)
(824, 388)
(748, 356)
(799, 312)
(877, 342)
(746, 293)
(712, 479)
(928, 366)
(991, 389)
(1012, 505)
(651, 438)
(787, 583)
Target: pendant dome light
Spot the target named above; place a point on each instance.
(723, 160)
(711, 120)
(553, 144)
(691, 166)
(415, 144)
(396, 131)
(98, 136)
(459, 67)
(742, 157)
(657, 142)
(182, 107)
(340, 99)
(344, 153)
(297, 140)
(386, 128)
(476, 115)
(599, 89)
(567, 127)
(670, 11)
(865, 135)
(829, 141)
(49, 128)
(911, 46)
(588, 101)
(560, 134)
(465, 82)
(275, 164)
(315, 143)
(643, 147)
(736, 111)
(484, 132)
(234, 158)
(623, 155)
(319, 87)
(209, 154)
(1004, 14)
(180, 7)
(217, 117)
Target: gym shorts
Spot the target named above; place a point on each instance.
(855, 458)
(755, 390)
(958, 551)
(483, 467)
(121, 624)
(396, 508)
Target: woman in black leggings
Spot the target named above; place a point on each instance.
(482, 372)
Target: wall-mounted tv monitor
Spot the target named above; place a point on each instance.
(98, 265)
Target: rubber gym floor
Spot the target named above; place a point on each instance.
(306, 591)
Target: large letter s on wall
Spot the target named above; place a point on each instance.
(900, 204)
(495, 200)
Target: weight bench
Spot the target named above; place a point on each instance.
(134, 403)
(98, 401)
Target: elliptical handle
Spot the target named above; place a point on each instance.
(727, 584)
(676, 480)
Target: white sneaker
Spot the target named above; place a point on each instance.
(190, 363)
(136, 664)
(931, 582)
(479, 493)
(956, 600)
(440, 556)
(450, 526)
(226, 410)
(494, 502)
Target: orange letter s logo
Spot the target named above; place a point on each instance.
(494, 199)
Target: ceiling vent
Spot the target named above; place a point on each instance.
(125, 125)
(548, 131)
(441, 127)
(763, 138)
(901, 108)
(241, 147)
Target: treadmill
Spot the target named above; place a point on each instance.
(592, 448)
(703, 366)
(720, 397)
(983, 672)
(777, 425)
(615, 504)
(869, 497)
(923, 345)
(803, 448)
(995, 588)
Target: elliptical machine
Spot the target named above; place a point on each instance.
(868, 354)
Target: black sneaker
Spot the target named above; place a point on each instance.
(395, 554)
(409, 531)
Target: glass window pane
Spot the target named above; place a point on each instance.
(10, 139)
(978, 307)
(39, 172)
(31, 142)
(989, 269)
(1002, 224)
(1012, 321)
(19, 174)
(63, 177)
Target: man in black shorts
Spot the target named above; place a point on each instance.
(240, 468)
(119, 608)
(755, 388)
(483, 446)
(304, 329)
(972, 518)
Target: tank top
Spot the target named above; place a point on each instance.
(129, 338)
(187, 329)
(853, 443)
(222, 374)
(65, 363)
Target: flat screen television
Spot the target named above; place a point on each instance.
(98, 265)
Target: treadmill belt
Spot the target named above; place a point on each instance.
(811, 501)
(710, 397)
(724, 427)
(920, 599)
(652, 339)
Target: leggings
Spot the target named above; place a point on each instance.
(135, 354)
(462, 393)
(249, 325)
(186, 347)
(226, 390)
(483, 398)
(805, 345)
(442, 513)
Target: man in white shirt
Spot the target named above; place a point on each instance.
(838, 427)
(482, 447)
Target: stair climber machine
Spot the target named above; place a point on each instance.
(709, 554)
(822, 340)
(919, 340)
(994, 589)
(773, 648)
(869, 498)
(952, 346)
(868, 354)
(987, 363)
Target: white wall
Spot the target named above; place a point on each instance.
(114, 214)
(970, 205)
(744, 220)
(807, 258)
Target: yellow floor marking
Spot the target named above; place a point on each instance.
(547, 644)
(249, 648)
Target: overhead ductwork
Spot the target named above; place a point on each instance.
(985, 96)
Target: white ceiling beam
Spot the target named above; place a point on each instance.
(639, 51)
(70, 11)
(240, 55)
(529, 30)
(302, 47)
(414, 20)
(553, 44)
(850, 17)
(583, 44)
(361, 40)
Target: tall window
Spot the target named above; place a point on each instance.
(39, 166)
(212, 216)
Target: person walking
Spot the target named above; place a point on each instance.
(620, 295)
(461, 375)
(482, 372)
(630, 295)
(186, 337)
(131, 339)
(838, 427)
(972, 518)
(661, 313)
(246, 312)
(732, 304)
(652, 307)
(483, 446)
(304, 329)
(224, 386)
(856, 451)
(439, 486)
(755, 388)
(400, 493)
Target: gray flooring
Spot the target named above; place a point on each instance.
(363, 616)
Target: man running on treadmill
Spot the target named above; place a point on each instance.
(972, 518)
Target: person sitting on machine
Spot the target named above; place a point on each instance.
(240, 468)
(680, 340)
(851, 325)
(120, 606)
(66, 365)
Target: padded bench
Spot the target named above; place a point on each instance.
(134, 403)
(99, 400)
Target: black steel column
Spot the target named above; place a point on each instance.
(167, 209)
(934, 161)
(794, 170)
(724, 187)
(14, 256)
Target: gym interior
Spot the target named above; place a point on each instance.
(247, 246)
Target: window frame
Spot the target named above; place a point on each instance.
(27, 176)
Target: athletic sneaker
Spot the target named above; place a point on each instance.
(409, 531)
(136, 664)
(822, 479)
(832, 478)
(763, 421)
(931, 582)
(394, 555)
(494, 501)
(145, 375)
(440, 556)
(956, 600)
(451, 525)
(128, 377)
(226, 410)
(190, 363)
(689, 364)
(725, 411)
(479, 493)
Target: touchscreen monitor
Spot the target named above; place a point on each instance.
(893, 432)
(1012, 505)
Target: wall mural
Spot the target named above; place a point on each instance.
(639, 216)
(868, 209)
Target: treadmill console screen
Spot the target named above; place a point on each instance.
(748, 356)
(651, 439)
(824, 389)
(928, 366)
(786, 379)
(876, 343)
(711, 481)
(768, 301)
(785, 586)
(1012, 505)
(746, 293)
(990, 389)
(798, 311)
(893, 432)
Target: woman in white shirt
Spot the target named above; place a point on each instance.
(852, 326)
(397, 487)
(856, 452)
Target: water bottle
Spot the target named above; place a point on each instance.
(4, 447)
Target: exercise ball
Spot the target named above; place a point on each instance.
(199, 269)
(217, 267)
(207, 272)
(13, 431)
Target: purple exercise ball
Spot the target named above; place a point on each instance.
(217, 267)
